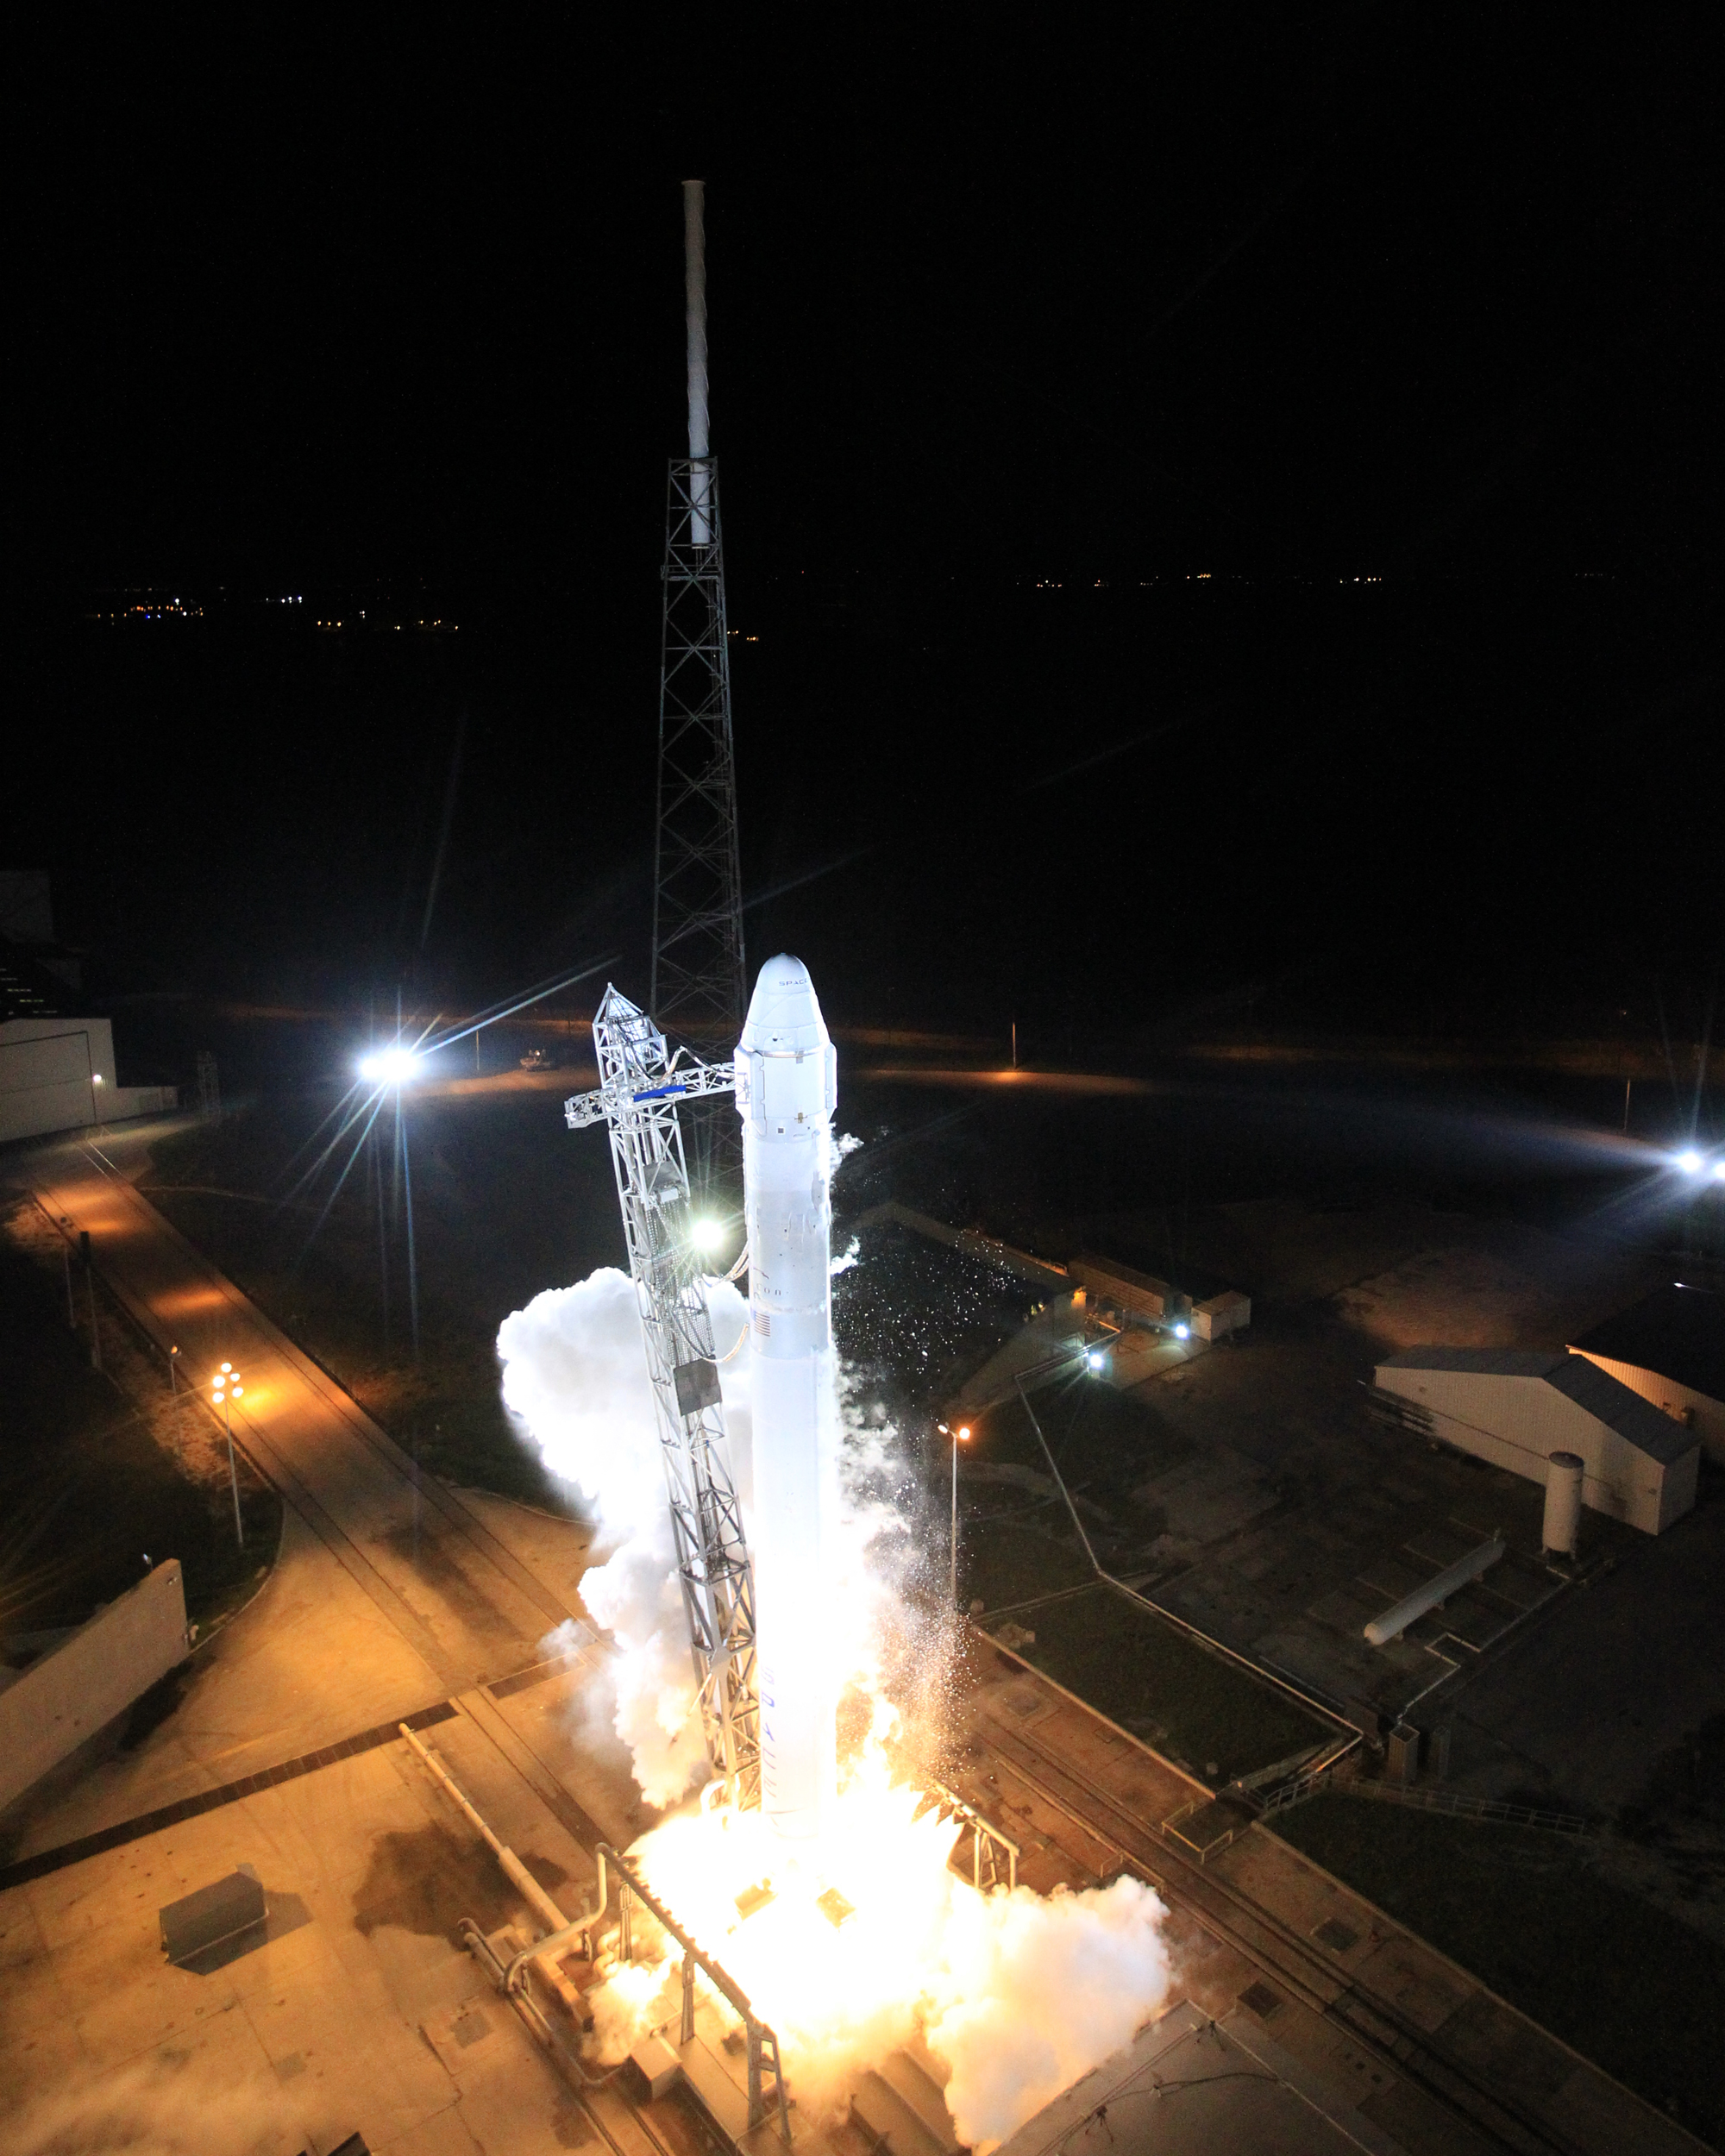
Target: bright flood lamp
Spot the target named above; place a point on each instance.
(1095, 1358)
(708, 1234)
(1690, 1161)
(389, 1066)
(1183, 1332)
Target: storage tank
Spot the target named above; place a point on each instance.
(1563, 1502)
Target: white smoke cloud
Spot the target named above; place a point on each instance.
(574, 1372)
(1037, 1990)
(149, 2107)
(1019, 1994)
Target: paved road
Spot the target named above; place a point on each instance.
(464, 1604)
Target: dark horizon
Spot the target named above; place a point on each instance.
(1269, 301)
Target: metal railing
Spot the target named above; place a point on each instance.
(1456, 1806)
(987, 1843)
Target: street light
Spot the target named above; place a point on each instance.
(960, 1436)
(224, 1389)
(391, 1069)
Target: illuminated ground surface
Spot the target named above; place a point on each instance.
(432, 1576)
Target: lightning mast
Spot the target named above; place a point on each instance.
(697, 980)
(640, 1086)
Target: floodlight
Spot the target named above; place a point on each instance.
(389, 1067)
(1182, 1331)
(1690, 1161)
(708, 1234)
(1719, 1171)
(1095, 1358)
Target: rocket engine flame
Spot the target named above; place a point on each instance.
(1017, 1994)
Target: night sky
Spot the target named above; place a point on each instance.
(1271, 298)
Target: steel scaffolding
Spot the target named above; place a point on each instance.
(696, 984)
(640, 1087)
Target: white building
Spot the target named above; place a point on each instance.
(1515, 1407)
(57, 1072)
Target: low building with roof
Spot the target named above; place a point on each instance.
(1669, 1348)
(1516, 1406)
(57, 1067)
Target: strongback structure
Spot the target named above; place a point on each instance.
(697, 980)
(641, 1084)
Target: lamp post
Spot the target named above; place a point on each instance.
(390, 1069)
(224, 1389)
(960, 1436)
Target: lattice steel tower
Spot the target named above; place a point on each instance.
(641, 1084)
(696, 985)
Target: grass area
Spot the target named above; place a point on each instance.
(1529, 1915)
(86, 1490)
(1151, 1679)
(1004, 1559)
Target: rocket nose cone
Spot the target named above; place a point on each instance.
(784, 1006)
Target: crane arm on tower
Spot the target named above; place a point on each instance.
(691, 1082)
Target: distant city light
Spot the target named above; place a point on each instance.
(389, 1067)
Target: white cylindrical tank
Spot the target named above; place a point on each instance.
(1564, 1471)
(787, 1089)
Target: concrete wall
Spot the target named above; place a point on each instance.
(87, 1680)
(1682, 1402)
(1517, 1422)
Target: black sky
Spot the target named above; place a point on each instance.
(1291, 293)
(1208, 287)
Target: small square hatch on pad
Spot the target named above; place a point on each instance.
(1260, 1999)
(1336, 1935)
(834, 1907)
(214, 1918)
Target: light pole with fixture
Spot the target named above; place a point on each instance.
(390, 1068)
(960, 1436)
(224, 1389)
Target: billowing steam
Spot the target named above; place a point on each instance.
(573, 1370)
(1019, 1994)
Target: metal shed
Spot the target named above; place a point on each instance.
(1516, 1406)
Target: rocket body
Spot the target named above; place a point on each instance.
(787, 1090)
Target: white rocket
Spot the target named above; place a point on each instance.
(787, 1089)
